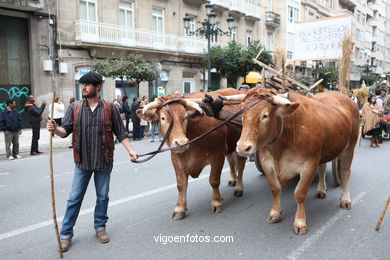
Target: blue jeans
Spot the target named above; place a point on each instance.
(155, 127)
(79, 187)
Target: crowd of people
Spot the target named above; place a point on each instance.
(375, 114)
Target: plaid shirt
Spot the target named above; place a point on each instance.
(91, 133)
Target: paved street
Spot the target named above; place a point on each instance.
(143, 196)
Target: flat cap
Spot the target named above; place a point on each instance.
(91, 77)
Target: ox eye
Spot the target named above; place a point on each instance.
(265, 116)
(163, 118)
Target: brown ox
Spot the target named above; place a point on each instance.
(211, 150)
(294, 137)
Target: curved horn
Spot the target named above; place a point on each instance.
(196, 100)
(151, 105)
(192, 104)
(278, 100)
(238, 97)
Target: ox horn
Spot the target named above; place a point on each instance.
(278, 100)
(234, 99)
(192, 104)
(151, 105)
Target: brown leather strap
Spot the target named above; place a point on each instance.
(166, 103)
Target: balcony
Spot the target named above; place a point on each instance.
(272, 19)
(374, 6)
(26, 5)
(248, 9)
(198, 2)
(109, 34)
(348, 4)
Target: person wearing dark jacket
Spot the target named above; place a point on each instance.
(35, 116)
(10, 123)
(126, 109)
(135, 119)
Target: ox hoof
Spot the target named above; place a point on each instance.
(274, 219)
(300, 230)
(320, 194)
(216, 207)
(232, 183)
(238, 193)
(346, 204)
(178, 215)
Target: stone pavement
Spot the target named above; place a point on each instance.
(25, 141)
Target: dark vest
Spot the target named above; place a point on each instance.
(107, 136)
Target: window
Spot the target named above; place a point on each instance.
(126, 19)
(88, 16)
(270, 5)
(88, 10)
(269, 41)
(293, 14)
(191, 24)
(233, 36)
(248, 38)
(158, 24)
(289, 55)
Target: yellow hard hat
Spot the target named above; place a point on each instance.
(253, 77)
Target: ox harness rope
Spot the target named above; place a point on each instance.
(166, 104)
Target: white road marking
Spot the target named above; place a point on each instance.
(39, 225)
(313, 238)
(4, 173)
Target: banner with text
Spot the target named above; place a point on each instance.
(320, 39)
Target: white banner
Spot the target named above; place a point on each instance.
(321, 38)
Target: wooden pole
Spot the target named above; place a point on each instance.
(52, 196)
(382, 214)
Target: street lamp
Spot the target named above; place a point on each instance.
(208, 29)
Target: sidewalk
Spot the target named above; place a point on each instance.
(25, 141)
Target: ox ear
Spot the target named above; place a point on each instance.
(148, 116)
(286, 109)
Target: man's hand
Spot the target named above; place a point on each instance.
(133, 155)
(51, 125)
(20, 132)
(44, 102)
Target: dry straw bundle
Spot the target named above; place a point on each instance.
(347, 48)
(361, 94)
(280, 63)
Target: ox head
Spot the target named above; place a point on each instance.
(261, 124)
(182, 111)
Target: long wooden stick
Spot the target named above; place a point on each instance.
(382, 214)
(52, 196)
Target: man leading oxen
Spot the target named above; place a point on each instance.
(181, 120)
(295, 136)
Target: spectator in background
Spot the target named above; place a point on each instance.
(372, 116)
(144, 126)
(10, 123)
(35, 117)
(58, 111)
(126, 109)
(154, 126)
(135, 119)
(352, 97)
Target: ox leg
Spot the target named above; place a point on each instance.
(232, 165)
(275, 214)
(240, 162)
(345, 167)
(215, 179)
(181, 206)
(306, 177)
(321, 188)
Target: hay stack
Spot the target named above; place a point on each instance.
(347, 49)
(361, 94)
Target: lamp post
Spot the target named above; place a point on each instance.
(208, 29)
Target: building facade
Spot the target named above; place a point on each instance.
(369, 31)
